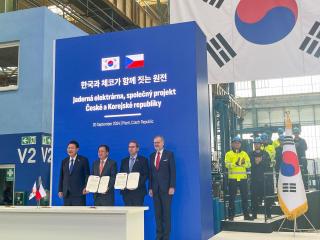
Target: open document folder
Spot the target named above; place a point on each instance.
(127, 181)
(96, 184)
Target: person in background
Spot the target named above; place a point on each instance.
(135, 163)
(237, 162)
(268, 147)
(74, 174)
(279, 155)
(301, 148)
(261, 179)
(276, 143)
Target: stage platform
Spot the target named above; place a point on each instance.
(225, 235)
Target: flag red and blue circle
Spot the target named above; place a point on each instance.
(290, 165)
(266, 21)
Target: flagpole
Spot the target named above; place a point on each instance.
(39, 183)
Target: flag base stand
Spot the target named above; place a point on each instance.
(295, 226)
(38, 204)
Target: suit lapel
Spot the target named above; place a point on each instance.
(162, 158)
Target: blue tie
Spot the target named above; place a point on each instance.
(71, 165)
(131, 163)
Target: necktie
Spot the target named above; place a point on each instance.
(71, 165)
(158, 161)
(131, 163)
(101, 167)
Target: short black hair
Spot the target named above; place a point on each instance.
(104, 146)
(74, 142)
(135, 142)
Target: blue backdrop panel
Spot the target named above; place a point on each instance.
(99, 99)
(31, 159)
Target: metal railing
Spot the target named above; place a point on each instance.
(221, 191)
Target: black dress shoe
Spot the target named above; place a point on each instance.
(231, 219)
(254, 216)
(248, 218)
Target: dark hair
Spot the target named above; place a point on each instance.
(105, 147)
(135, 142)
(74, 142)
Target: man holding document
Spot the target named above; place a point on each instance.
(104, 167)
(135, 163)
(162, 186)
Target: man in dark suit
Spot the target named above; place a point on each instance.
(162, 186)
(73, 177)
(135, 163)
(104, 166)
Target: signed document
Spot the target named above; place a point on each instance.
(133, 180)
(121, 181)
(104, 184)
(93, 183)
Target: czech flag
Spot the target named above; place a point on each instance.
(134, 61)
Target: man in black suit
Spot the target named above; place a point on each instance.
(162, 186)
(135, 163)
(73, 177)
(104, 166)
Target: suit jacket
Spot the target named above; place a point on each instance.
(109, 169)
(165, 177)
(72, 184)
(140, 166)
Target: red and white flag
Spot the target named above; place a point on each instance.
(38, 193)
(34, 191)
(41, 193)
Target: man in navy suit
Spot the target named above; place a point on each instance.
(162, 186)
(104, 166)
(73, 177)
(135, 163)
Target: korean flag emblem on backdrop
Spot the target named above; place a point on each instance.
(110, 63)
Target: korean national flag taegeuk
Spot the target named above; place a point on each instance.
(291, 192)
(255, 39)
(110, 63)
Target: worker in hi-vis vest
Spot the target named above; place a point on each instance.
(237, 162)
(276, 143)
(268, 147)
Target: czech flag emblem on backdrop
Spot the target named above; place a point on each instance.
(134, 61)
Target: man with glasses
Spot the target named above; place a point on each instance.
(135, 163)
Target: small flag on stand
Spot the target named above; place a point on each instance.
(39, 192)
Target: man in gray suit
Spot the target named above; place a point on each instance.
(104, 166)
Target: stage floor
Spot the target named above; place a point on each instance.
(266, 236)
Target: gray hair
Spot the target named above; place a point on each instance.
(159, 136)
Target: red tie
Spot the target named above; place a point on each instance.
(158, 161)
(101, 167)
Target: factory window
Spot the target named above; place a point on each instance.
(9, 69)
(281, 86)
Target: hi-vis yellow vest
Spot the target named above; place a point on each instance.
(271, 151)
(235, 171)
(276, 143)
